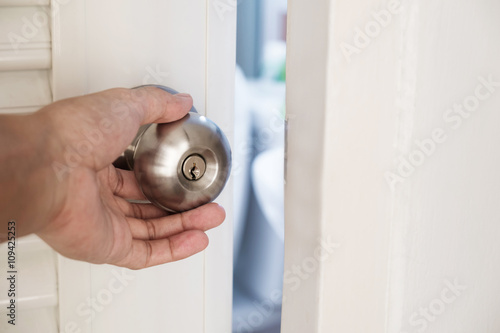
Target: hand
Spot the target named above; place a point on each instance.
(60, 183)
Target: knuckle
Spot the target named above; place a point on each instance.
(149, 254)
(151, 229)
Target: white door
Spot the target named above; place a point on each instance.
(393, 183)
(86, 46)
(25, 71)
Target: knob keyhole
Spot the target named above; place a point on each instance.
(195, 172)
(194, 167)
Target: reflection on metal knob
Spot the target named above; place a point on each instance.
(179, 165)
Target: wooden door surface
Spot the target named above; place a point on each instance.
(84, 46)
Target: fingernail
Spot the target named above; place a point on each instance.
(183, 95)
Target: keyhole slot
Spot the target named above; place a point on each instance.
(194, 167)
(195, 172)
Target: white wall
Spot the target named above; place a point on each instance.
(356, 108)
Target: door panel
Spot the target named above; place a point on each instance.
(89, 46)
(100, 45)
(25, 62)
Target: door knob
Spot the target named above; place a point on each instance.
(179, 165)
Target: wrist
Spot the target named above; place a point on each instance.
(26, 182)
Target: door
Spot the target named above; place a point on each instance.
(25, 71)
(93, 45)
(392, 182)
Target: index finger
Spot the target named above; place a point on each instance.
(143, 254)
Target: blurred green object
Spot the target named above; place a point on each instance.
(282, 74)
(274, 61)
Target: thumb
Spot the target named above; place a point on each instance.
(155, 105)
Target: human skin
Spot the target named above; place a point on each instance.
(57, 181)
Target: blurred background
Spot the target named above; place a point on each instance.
(259, 165)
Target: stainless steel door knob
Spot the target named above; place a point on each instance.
(179, 165)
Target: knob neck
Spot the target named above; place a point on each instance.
(126, 160)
